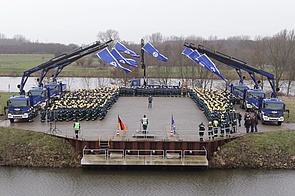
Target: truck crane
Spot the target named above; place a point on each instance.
(55, 88)
(26, 106)
(269, 109)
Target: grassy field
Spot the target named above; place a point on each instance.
(16, 64)
(35, 149)
(290, 105)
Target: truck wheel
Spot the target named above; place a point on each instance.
(279, 123)
(11, 120)
(262, 121)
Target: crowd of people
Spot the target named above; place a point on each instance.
(213, 102)
(223, 120)
(151, 90)
(80, 105)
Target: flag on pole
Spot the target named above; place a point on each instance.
(121, 125)
(107, 57)
(204, 59)
(173, 126)
(149, 48)
(122, 59)
(192, 55)
(121, 48)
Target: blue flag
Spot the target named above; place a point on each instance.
(187, 51)
(173, 126)
(131, 62)
(122, 59)
(202, 60)
(107, 57)
(121, 48)
(191, 54)
(149, 48)
(206, 62)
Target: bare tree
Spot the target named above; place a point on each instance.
(258, 56)
(280, 52)
(107, 35)
(2, 36)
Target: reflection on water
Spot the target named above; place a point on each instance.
(9, 84)
(28, 181)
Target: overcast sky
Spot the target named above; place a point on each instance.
(79, 21)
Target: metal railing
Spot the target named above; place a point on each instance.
(144, 157)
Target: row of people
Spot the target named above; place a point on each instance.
(153, 90)
(81, 105)
(217, 129)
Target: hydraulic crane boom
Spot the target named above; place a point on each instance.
(56, 60)
(78, 56)
(237, 64)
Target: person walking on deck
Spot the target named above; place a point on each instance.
(77, 127)
(150, 102)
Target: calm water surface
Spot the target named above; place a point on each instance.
(29, 181)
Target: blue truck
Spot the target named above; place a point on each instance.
(269, 109)
(26, 105)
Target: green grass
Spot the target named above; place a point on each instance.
(14, 64)
(290, 104)
(29, 148)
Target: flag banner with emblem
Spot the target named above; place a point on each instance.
(173, 125)
(107, 57)
(121, 125)
(204, 59)
(149, 48)
(192, 55)
(122, 59)
(121, 48)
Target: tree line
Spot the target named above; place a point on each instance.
(274, 54)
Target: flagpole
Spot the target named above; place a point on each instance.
(143, 64)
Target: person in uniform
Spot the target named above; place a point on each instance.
(201, 131)
(77, 127)
(215, 128)
(210, 130)
(144, 122)
(150, 102)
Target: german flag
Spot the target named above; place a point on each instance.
(121, 125)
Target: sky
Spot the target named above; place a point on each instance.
(79, 21)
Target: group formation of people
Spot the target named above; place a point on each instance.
(151, 90)
(213, 102)
(81, 105)
(218, 108)
(220, 127)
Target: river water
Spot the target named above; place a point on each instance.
(9, 84)
(71, 182)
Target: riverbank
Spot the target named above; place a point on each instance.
(35, 149)
(269, 150)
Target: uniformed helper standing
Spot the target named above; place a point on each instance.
(210, 130)
(201, 131)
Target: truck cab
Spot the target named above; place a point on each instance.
(18, 107)
(253, 99)
(55, 89)
(272, 110)
(237, 91)
(37, 95)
